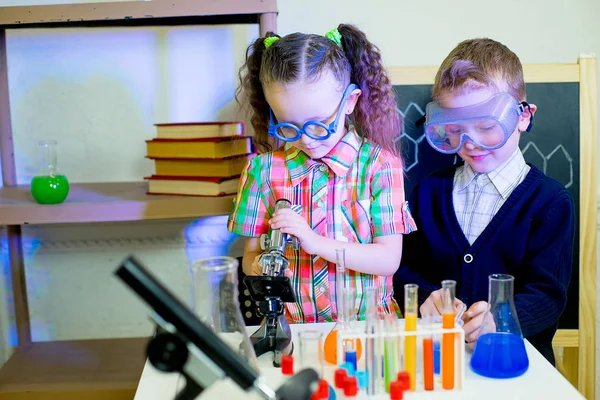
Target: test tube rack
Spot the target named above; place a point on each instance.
(392, 341)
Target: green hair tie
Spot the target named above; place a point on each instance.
(335, 36)
(268, 41)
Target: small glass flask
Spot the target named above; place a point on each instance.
(49, 186)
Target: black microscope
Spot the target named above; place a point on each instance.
(270, 291)
(185, 344)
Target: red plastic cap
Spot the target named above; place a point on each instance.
(340, 376)
(351, 386)
(316, 396)
(323, 389)
(404, 377)
(396, 390)
(287, 364)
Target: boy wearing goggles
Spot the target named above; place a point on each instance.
(495, 213)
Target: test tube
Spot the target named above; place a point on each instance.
(311, 349)
(448, 313)
(428, 354)
(350, 348)
(390, 353)
(341, 287)
(331, 341)
(411, 305)
(371, 357)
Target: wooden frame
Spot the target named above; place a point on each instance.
(103, 202)
(99, 202)
(149, 12)
(579, 356)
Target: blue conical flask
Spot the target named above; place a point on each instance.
(500, 350)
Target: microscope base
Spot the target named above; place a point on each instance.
(273, 335)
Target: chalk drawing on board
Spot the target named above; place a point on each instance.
(405, 136)
(558, 151)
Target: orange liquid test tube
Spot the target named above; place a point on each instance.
(428, 357)
(410, 341)
(448, 314)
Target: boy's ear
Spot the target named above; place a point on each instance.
(351, 102)
(526, 117)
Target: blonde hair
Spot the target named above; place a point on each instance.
(478, 63)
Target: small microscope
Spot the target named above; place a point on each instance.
(183, 344)
(270, 291)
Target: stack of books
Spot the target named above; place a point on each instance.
(198, 158)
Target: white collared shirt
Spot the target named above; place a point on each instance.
(477, 197)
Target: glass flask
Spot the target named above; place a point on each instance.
(500, 350)
(49, 186)
(216, 303)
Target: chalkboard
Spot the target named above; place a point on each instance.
(552, 146)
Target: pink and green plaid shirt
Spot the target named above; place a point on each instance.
(353, 194)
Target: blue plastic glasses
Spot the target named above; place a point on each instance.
(316, 130)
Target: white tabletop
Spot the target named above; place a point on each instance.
(541, 381)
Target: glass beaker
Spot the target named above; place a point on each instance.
(49, 186)
(311, 349)
(500, 350)
(216, 303)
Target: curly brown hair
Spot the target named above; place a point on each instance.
(305, 57)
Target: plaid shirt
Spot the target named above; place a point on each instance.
(478, 197)
(363, 197)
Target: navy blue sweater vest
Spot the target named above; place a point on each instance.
(531, 237)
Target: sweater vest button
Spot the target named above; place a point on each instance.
(468, 258)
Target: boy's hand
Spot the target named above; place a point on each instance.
(433, 305)
(293, 224)
(478, 321)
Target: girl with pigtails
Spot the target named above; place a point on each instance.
(325, 118)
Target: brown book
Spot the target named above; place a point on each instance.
(192, 186)
(199, 130)
(223, 167)
(199, 148)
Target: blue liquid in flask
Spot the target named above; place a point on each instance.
(500, 355)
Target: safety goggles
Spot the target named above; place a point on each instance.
(488, 124)
(316, 130)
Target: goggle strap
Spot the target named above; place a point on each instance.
(522, 107)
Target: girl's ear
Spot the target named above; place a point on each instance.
(351, 102)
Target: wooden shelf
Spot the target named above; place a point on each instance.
(106, 202)
(154, 12)
(84, 369)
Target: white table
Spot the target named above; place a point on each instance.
(541, 381)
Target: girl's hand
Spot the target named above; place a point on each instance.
(256, 269)
(293, 224)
